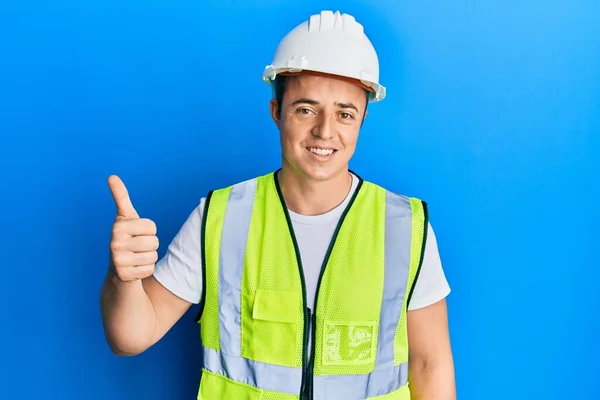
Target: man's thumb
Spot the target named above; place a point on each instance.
(121, 196)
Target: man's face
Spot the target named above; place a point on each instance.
(319, 123)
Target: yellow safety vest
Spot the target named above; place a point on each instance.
(260, 340)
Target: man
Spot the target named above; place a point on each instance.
(312, 282)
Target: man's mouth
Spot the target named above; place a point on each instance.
(321, 151)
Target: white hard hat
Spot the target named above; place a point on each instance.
(329, 43)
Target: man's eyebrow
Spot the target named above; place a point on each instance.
(305, 100)
(347, 105)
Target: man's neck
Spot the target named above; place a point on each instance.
(307, 197)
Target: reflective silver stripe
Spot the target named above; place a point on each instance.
(233, 249)
(360, 387)
(398, 226)
(264, 376)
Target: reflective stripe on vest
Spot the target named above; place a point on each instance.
(254, 322)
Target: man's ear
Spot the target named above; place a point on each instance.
(275, 112)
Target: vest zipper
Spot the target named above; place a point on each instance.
(305, 338)
(311, 361)
(311, 355)
(303, 388)
(313, 327)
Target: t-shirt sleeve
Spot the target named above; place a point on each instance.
(180, 269)
(431, 285)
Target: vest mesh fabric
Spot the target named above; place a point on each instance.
(273, 333)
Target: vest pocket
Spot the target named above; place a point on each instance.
(218, 387)
(275, 306)
(349, 343)
(270, 330)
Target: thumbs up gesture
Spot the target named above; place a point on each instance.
(133, 244)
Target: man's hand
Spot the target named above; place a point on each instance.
(134, 244)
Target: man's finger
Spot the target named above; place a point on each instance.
(134, 227)
(119, 192)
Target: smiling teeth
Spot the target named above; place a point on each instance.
(320, 152)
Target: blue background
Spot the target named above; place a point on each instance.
(492, 116)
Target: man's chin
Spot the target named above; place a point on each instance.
(316, 172)
(322, 173)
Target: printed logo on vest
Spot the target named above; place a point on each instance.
(349, 343)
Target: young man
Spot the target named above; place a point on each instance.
(312, 283)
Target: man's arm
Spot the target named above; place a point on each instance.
(137, 314)
(136, 309)
(431, 365)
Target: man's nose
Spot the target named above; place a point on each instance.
(324, 126)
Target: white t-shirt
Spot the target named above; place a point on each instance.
(180, 270)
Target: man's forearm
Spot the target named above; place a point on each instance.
(430, 381)
(128, 316)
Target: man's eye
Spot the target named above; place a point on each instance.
(346, 115)
(305, 111)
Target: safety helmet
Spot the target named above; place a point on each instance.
(329, 43)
